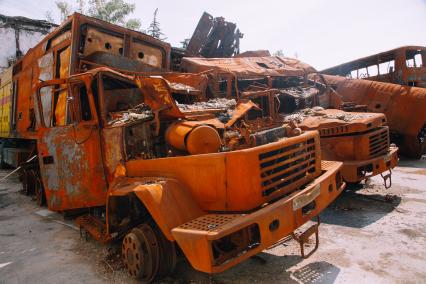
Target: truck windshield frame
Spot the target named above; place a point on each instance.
(79, 102)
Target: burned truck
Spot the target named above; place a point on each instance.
(280, 86)
(222, 182)
(143, 161)
(404, 66)
(403, 106)
(393, 83)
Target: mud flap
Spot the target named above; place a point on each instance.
(303, 238)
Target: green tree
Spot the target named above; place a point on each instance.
(154, 29)
(64, 8)
(112, 11)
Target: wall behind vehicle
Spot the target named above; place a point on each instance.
(18, 35)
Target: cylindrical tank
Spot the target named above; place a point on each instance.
(192, 138)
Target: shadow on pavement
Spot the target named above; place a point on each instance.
(264, 268)
(357, 210)
(317, 272)
(413, 163)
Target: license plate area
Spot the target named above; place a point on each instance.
(306, 198)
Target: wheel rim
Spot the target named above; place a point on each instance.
(140, 252)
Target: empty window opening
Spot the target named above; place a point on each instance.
(387, 67)
(263, 65)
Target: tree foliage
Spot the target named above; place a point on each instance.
(154, 29)
(112, 11)
(64, 8)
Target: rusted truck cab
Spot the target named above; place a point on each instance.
(214, 182)
(359, 140)
(403, 106)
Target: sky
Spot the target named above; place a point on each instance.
(322, 33)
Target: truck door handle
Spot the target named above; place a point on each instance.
(47, 160)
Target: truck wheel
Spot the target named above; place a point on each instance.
(39, 192)
(140, 252)
(167, 255)
(29, 181)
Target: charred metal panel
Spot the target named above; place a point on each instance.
(200, 35)
(146, 53)
(214, 37)
(96, 40)
(112, 139)
(71, 168)
(95, 36)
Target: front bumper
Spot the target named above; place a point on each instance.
(265, 226)
(356, 171)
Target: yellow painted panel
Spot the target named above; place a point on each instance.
(5, 101)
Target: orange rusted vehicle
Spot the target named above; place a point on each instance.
(222, 180)
(404, 65)
(158, 163)
(359, 140)
(403, 106)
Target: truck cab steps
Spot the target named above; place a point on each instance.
(93, 226)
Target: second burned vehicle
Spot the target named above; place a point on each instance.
(391, 82)
(279, 85)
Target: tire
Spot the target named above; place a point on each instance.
(39, 192)
(147, 254)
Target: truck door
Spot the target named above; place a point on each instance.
(69, 147)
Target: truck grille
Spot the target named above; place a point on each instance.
(284, 166)
(379, 142)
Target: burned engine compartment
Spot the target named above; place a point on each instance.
(165, 118)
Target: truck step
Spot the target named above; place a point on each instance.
(208, 223)
(91, 225)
